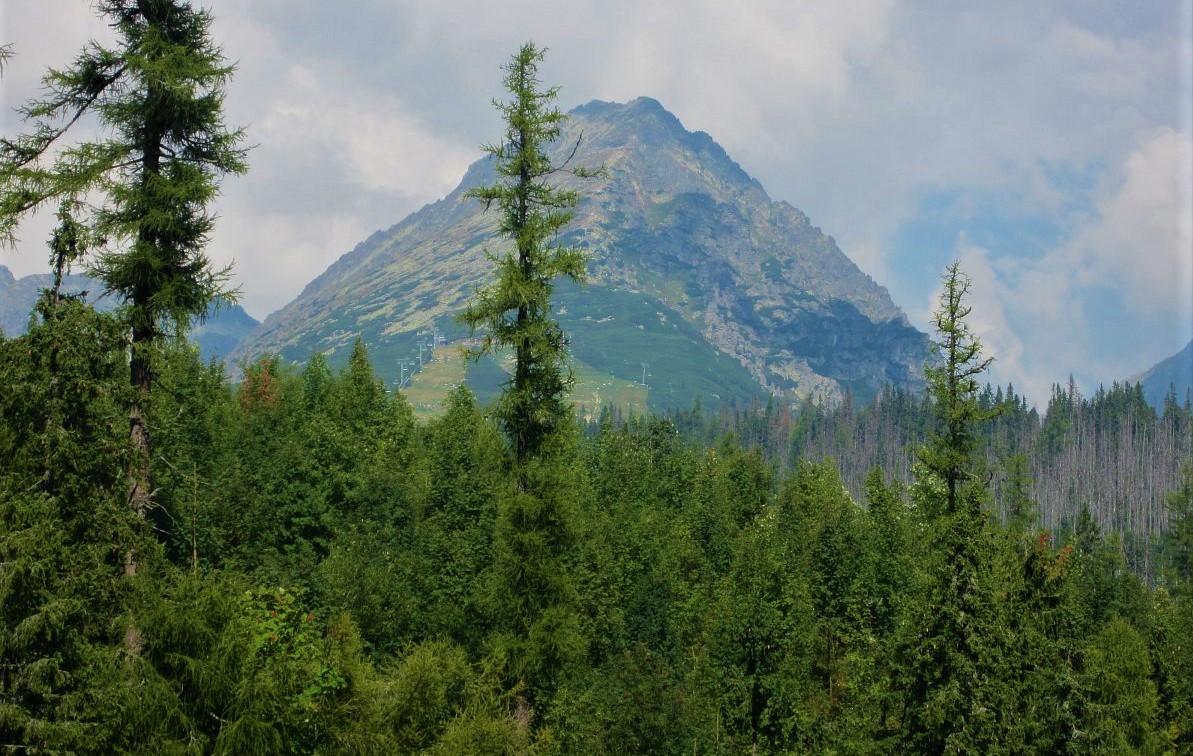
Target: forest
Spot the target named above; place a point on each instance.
(289, 562)
(320, 573)
(1110, 457)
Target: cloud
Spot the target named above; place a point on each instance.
(1029, 319)
(1142, 243)
(1060, 115)
(331, 168)
(275, 252)
(1132, 267)
(1105, 303)
(797, 74)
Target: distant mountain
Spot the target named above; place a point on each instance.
(222, 331)
(1175, 371)
(697, 279)
(216, 337)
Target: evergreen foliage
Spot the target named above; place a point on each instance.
(953, 389)
(1180, 514)
(532, 598)
(956, 661)
(64, 529)
(158, 97)
(515, 311)
(339, 581)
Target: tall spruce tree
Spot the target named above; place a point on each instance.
(515, 310)
(147, 179)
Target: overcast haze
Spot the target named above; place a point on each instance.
(1045, 145)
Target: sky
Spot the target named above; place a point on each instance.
(1047, 146)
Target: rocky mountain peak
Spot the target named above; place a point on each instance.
(676, 228)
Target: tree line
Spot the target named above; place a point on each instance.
(1110, 453)
(323, 573)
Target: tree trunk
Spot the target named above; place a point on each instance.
(144, 331)
(139, 477)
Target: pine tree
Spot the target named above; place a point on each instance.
(158, 97)
(515, 310)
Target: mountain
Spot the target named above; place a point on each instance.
(1175, 372)
(698, 281)
(18, 295)
(216, 336)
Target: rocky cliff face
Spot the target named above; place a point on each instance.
(687, 253)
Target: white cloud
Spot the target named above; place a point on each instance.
(274, 253)
(759, 75)
(1045, 318)
(1142, 244)
(369, 138)
(333, 166)
(853, 112)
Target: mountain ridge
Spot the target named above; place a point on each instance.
(1174, 371)
(221, 330)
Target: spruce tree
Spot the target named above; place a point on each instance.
(63, 598)
(1119, 703)
(147, 180)
(950, 662)
(1180, 538)
(1022, 511)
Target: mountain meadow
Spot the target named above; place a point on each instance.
(668, 474)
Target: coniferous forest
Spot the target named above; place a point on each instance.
(289, 562)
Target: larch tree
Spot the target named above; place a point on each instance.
(515, 310)
(953, 387)
(950, 662)
(533, 596)
(142, 186)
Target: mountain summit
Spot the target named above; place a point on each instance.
(694, 272)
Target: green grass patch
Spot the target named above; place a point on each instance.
(430, 386)
(595, 389)
(616, 331)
